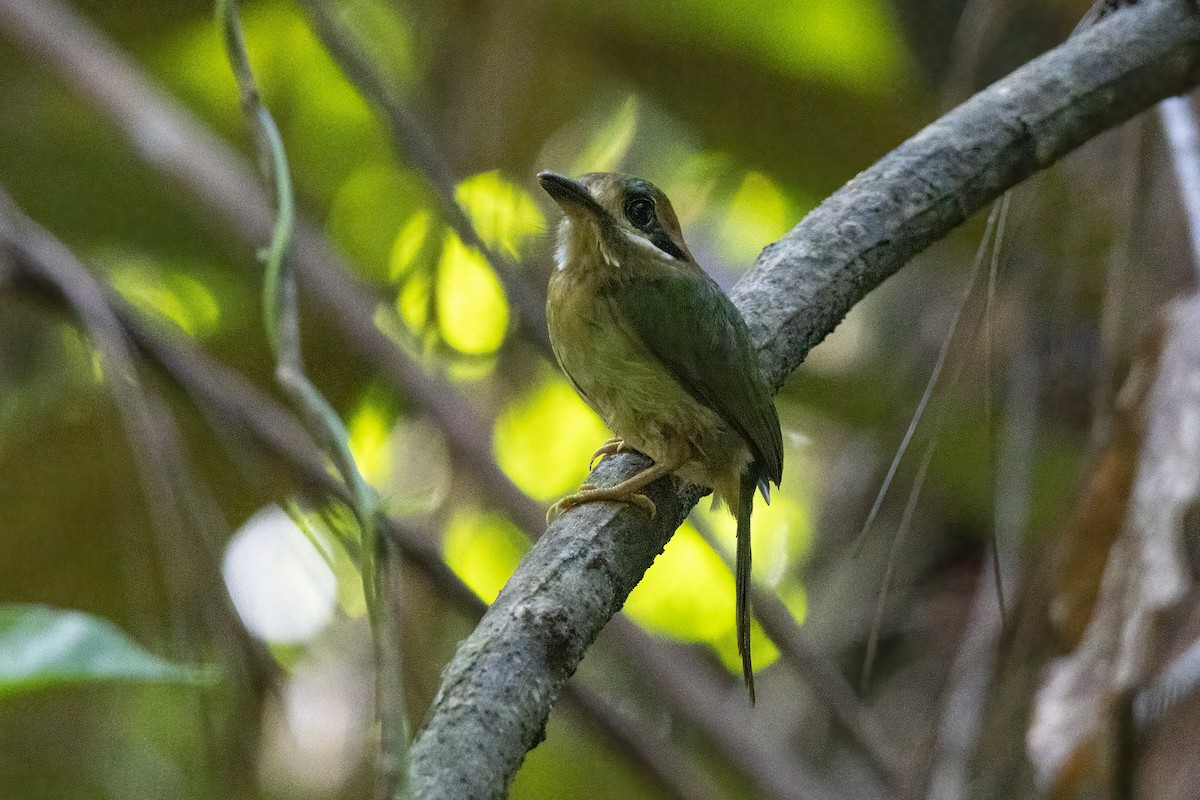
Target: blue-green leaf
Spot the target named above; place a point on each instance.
(42, 647)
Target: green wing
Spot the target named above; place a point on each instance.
(689, 324)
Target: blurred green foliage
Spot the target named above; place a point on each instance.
(746, 114)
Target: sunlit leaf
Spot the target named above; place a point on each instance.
(504, 214)
(172, 294)
(472, 310)
(545, 438)
(409, 243)
(483, 549)
(369, 428)
(42, 647)
(412, 303)
(610, 142)
(469, 370)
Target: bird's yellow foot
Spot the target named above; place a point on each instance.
(627, 491)
(610, 448)
(590, 494)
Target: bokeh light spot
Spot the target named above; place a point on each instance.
(283, 589)
(483, 549)
(171, 294)
(472, 310)
(545, 438)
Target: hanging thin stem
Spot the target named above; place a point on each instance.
(910, 508)
(282, 320)
(989, 350)
(939, 365)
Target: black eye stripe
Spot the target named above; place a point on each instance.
(663, 242)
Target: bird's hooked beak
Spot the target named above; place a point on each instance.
(572, 196)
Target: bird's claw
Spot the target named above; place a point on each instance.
(610, 448)
(643, 502)
(557, 510)
(590, 494)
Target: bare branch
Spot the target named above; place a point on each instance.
(1179, 123)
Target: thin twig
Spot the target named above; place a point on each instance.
(910, 507)
(413, 143)
(989, 364)
(934, 376)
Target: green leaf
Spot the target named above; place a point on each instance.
(42, 647)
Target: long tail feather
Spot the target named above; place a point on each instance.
(742, 575)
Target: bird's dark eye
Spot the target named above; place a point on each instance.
(639, 211)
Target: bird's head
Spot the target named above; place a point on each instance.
(612, 219)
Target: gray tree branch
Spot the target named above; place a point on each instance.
(498, 691)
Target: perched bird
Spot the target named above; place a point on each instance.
(651, 343)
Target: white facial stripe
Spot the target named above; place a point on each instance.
(646, 244)
(560, 252)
